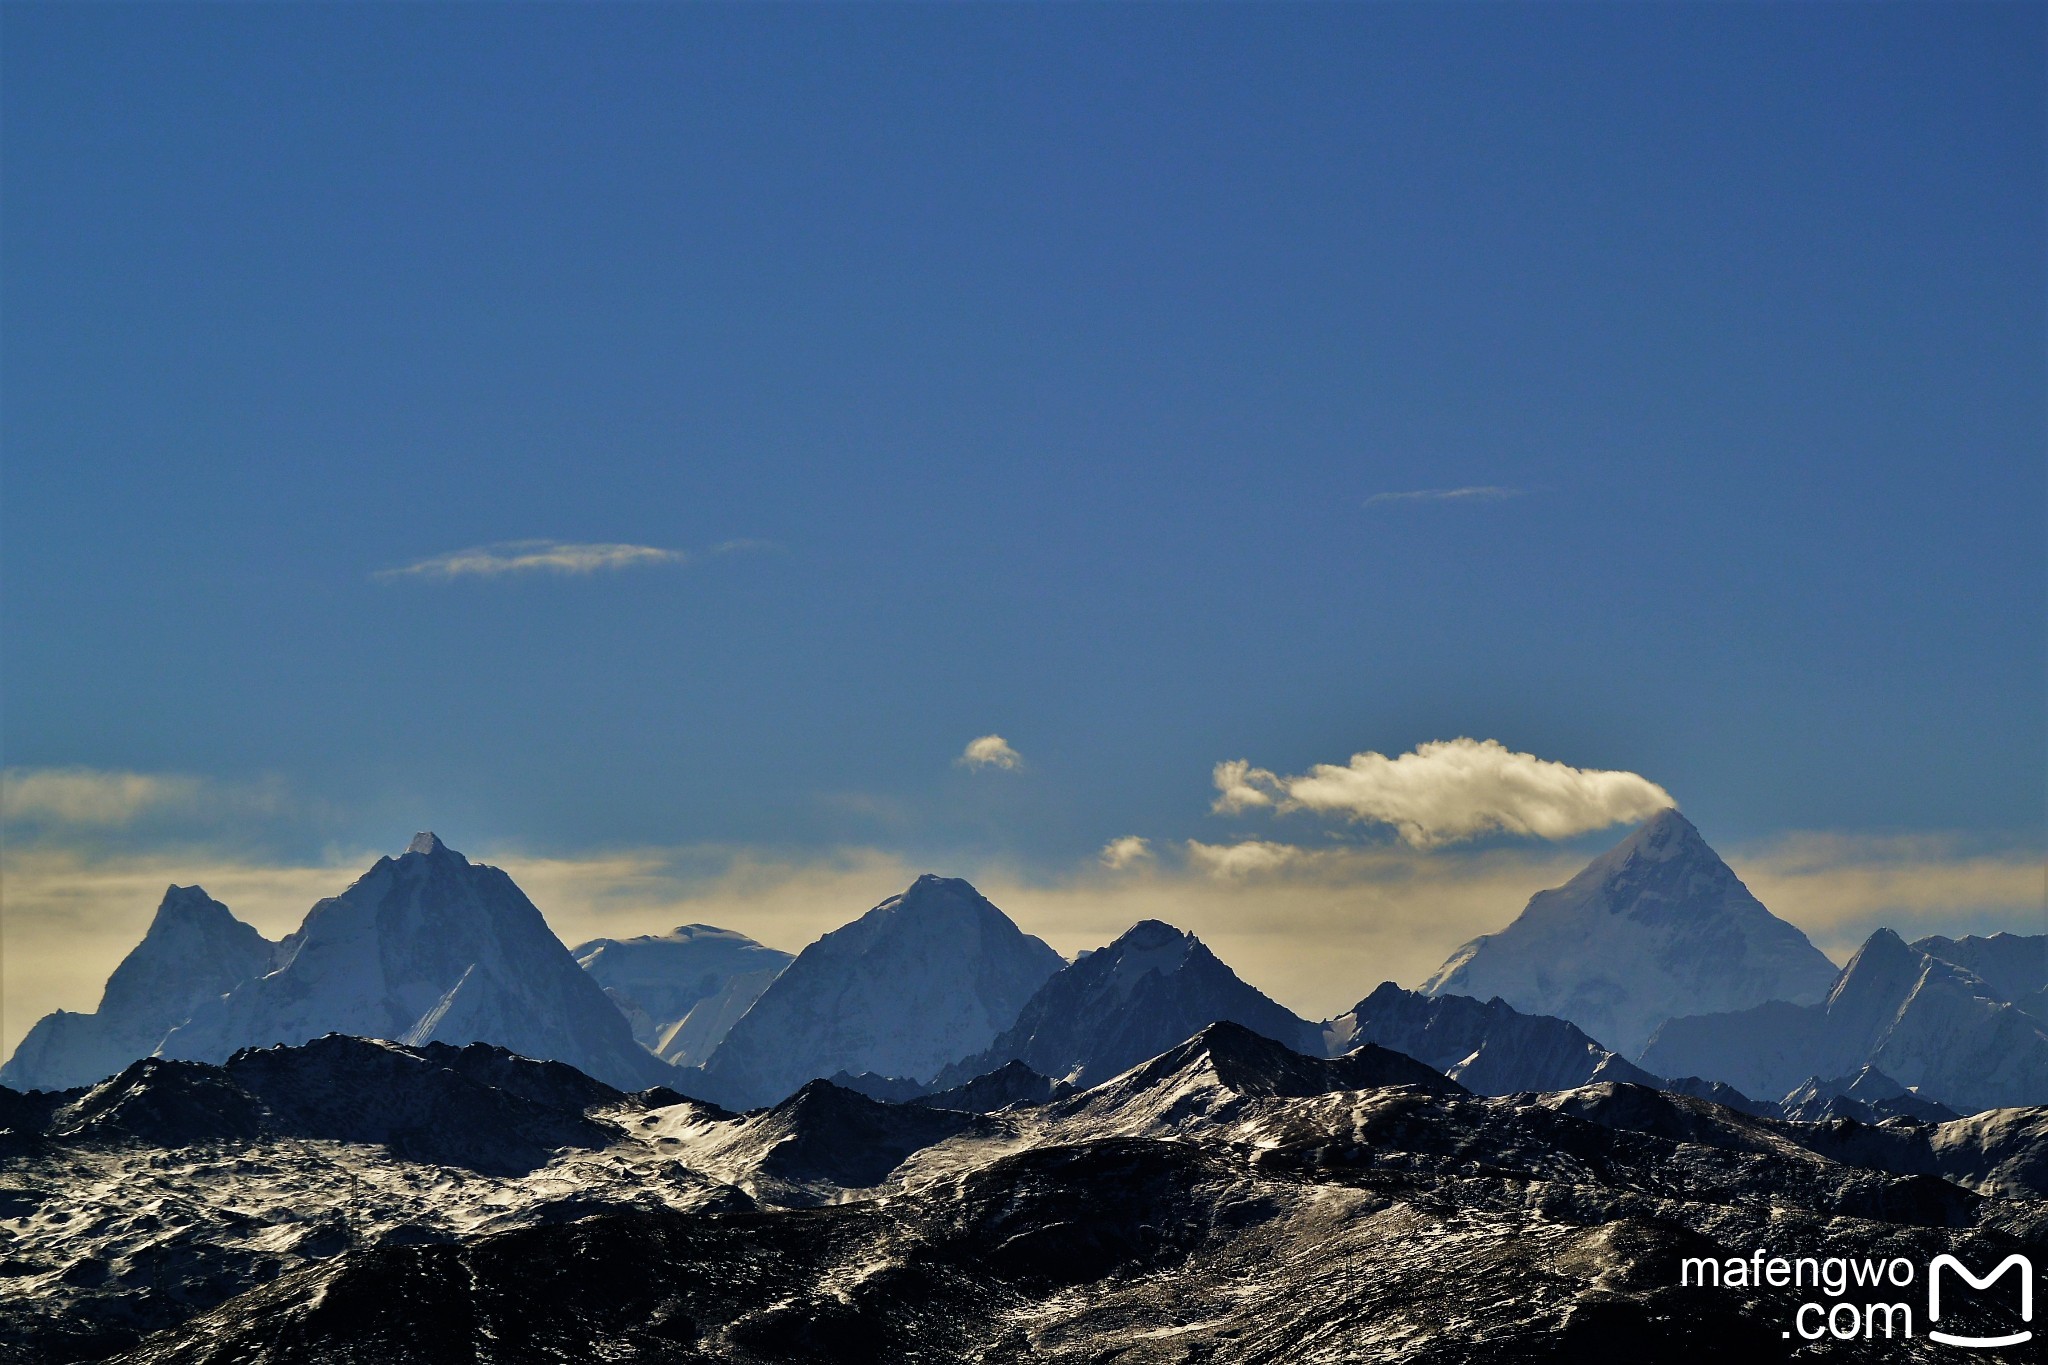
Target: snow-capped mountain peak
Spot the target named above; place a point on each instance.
(194, 951)
(1656, 926)
(426, 947)
(927, 975)
(1103, 1013)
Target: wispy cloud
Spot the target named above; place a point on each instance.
(990, 751)
(1840, 887)
(555, 557)
(1449, 790)
(1474, 493)
(90, 796)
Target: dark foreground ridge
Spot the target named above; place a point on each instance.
(1228, 1200)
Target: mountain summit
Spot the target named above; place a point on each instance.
(427, 947)
(1656, 926)
(195, 951)
(1152, 988)
(926, 976)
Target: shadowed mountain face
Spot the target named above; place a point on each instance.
(919, 980)
(195, 951)
(1869, 1095)
(1655, 927)
(1229, 1201)
(1486, 1046)
(1119, 1005)
(477, 1107)
(1924, 1022)
(422, 948)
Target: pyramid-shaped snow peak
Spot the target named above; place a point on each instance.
(1152, 988)
(1656, 926)
(195, 951)
(924, 977)
(426, 947)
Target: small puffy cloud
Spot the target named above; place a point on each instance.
(1246, 859)
(1476, 493)
(990, 751)
(1242, 787)
(89, 796)
(1450, 790)
(541, 556)
(1129, 851)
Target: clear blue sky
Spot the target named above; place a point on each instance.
(1058, 351)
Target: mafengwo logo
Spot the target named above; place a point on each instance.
(2015, 1261)
(1852, 1285)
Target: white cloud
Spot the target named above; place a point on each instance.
(1476, 493)
(542, 556)
(1249, 858)
(990, 751)
(1449, 790)
(90, 796)
(1129, 851)
(1241, 786)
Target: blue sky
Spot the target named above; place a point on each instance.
(1049, 362)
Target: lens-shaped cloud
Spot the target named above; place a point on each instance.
(534, 556)
(1473, 493)
(1450, 790)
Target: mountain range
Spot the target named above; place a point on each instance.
(1229, 1200)
(935, 990)
(1922, 1020)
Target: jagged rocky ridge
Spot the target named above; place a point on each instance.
(1487, 1046)
(1227, 1201)
(1869, 1095)
(1656, 926)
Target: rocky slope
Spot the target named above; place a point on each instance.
(1655, 927)
(1228, 1201)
